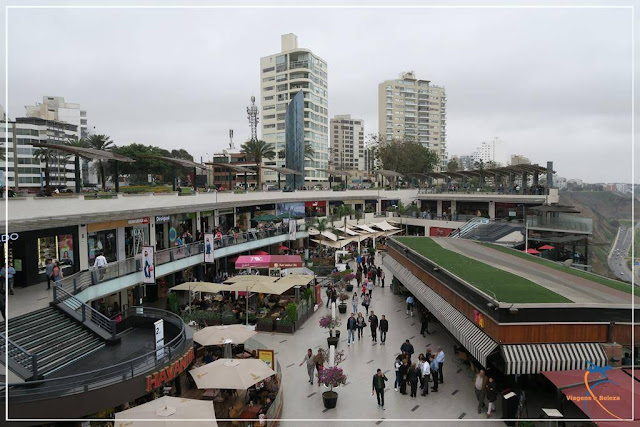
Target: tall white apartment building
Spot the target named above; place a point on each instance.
(282, 76)
(409, 108)
(493, 151)
(31, 171)
(347, 143)
(55, 108)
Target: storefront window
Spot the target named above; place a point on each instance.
(134, 238)
(47, 249)
(103, 241)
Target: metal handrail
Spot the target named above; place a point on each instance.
(86, 311)
(103, 377)
(15, 348)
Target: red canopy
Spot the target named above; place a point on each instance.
(261, 253)
(268, 261)
(546, 247)
(532, 251)
(607, 400)
(283, 248)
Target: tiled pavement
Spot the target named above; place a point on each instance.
(455, 399)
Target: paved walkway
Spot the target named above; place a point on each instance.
(29, 299)
(454, 400)
(575, 288)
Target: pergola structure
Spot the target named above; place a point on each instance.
(87, 153)
(335, 172)
(181, 163)
(389, 175)
(511, 171)
(285, 171)
(235, 168)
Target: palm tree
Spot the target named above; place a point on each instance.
(344, 211)
(309, 152)
(102, 143)
(402, 210)
(46, 155)
(258, 150)
(480, 167)
(322, 225)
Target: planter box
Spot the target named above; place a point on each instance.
(329, 399)
(264, 327)
(342, 308)
(285, 328)
(333, 341)
(349, 288)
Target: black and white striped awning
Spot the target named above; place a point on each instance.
(474, 339)
(535, 358)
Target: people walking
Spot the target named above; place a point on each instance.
(480, 389)
(49, 271)
(433, 366)
(407, 348)
(351, 327)
(412, 378)
(100, 263)
(329, 292)
(492, 395)
(384, 327)
(381, 275)
(396, 364)
(440, 359)
(360, 324)
(426, 373)
(364, 287)
(373, 323)
(424, 323)
(7, 273)
(378, 387)
(366, 301)
(410, 302)
(354, 302)
(403, 371)
(309, 360)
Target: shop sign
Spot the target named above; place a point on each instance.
(317, 203)
(148, 265)
(162, 219)
(478, 318)
(8, 237)
(159, 331)
(267, 356)
(138, 221)
(168, 373)
(206, 213)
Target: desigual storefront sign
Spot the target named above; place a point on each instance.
(168, 373)
(112, 225)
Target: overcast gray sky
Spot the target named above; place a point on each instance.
(553, 84)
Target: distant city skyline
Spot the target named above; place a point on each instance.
(183, 77)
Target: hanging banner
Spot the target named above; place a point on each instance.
(148, 265)
(293, 225)
(208, 247)
(159, 328)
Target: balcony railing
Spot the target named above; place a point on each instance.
(78, 282)
(578, 224)
(298, 64)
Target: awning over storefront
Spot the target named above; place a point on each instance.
(605, 394)
(535, 358)
(268, 261)
(474, 339)
(385, 226)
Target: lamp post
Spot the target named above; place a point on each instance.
(526, 230)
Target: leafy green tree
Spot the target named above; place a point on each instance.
(258, 150)
(48, 156)
(102, 143)
(143, 166)
(480, 166)
(453, 165)
(405, 156)
(181, 154)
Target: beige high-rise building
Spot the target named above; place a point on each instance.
(347, 143)
(518, 159)
(55, 108)
(282, 76)
(409, 108)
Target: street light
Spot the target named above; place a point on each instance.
(526, 231)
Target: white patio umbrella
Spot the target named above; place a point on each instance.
(233, 374)
(166, 410)
(218, 335)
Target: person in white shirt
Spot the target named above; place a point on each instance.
(100, 263)
(426, 373)
(440, 361)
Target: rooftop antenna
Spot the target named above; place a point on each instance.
(252, 115)
(231, 147)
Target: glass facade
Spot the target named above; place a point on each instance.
(294, 137)
(103, 241)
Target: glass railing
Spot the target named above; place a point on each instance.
(584, 225)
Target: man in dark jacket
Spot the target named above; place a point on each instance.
(402, 373)
(378, 387)
(407, 347)
(425, 323)
(351, 327)
(384, 327)
(412, 377)
(373, 322)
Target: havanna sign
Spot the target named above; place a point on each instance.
(168, 373)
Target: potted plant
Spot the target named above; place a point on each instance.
(330, 323)
(285, 325)
(342, 307)
(347, 280)
(265, 324)
(332, 376)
